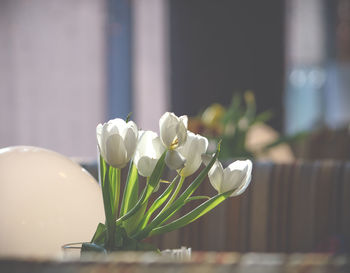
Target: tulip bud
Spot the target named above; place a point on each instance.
(173, 130)
(236, 176)
(173, 134)
(195, 146)
(117, 141)
(149, 150)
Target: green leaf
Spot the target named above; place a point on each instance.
(196, 198)
(112, 176)
(164, 181)
(234, 112)
(263, 117)
(155, 176)
(116, 193)
(148, 190)
(129, 244)
(193, 215)
(133, 222)
(110, 219)
(119, 236)
(131, 190)
(163, 216)
(114, 189)
(176, 192)
(250, 106)
(104, 169)
(157, 203)
(99, 236)
(128, 117)
(170, 213)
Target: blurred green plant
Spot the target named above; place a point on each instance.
(232, 125)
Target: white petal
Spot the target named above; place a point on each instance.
(184, 120)
(195, 146)
(120, 126)
(188, 146)
(104, 137)
(130, 142)
(141, 147)
(200, 147)
(174, 160)
(202, 144)
(168, 125)
(216, 176)
(237, 176)
(117, 141)
(119, 123)
(145, 166)
(247, 179)
(148, 152)
(158, 147)
(116, 126)
(140, 134)
(150, 145)
(145, 143)
(206, 158)
(181, 133)
(232, 179)
(116, 154)
(132, 125)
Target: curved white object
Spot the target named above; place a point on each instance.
(46, 200)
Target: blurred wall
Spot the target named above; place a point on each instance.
(151, 68)
(52, 73)
(219, 47)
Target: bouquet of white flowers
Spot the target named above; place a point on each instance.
(130, 216)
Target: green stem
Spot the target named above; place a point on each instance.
(148, 190)
(200, 197)
(117, 193)
(105, 184)
(131, 189)
(176, 192)
(157, 203)
(193, 215)
(132, 211)
(132, 223)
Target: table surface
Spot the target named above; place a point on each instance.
(199, 262)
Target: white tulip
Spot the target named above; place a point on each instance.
(192, 150)
(173, 134)
(173, 130)
(149, 150)
(117, 141)
(236, 176)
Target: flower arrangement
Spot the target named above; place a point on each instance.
(131, 217)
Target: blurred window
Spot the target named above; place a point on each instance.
(318, 67)
(52, 74)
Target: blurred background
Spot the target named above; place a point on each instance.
(271, 79)
(67, 65)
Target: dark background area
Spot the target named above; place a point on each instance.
(221, 47)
